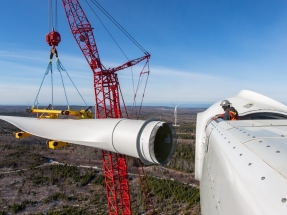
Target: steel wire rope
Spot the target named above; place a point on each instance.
(143, 95)
(112, 37)
(49, 15)
(124, 102)
(135, 95)
(46, 73)
(138, 86)
(53, 11)
(60, 65)
(56, 15)
(107, 30)
(144, 92)
(114, 41)
(52, 84)
(59, 69)
(122, 29)
(119, 26)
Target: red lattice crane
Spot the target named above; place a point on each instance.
(107, 97)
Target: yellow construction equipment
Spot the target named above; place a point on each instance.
(51, 114)
(54, 114)
(21, 134)
(80, 114)
(54, 144)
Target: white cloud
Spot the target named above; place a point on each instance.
(22, 73)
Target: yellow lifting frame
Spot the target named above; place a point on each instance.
(54, 114)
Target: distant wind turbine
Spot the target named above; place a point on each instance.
(175, 115)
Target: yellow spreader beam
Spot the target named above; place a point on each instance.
(54, 114)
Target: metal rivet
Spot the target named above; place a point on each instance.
(277, 151)
(234, 147)
(248, 134)
(218, 202)
(250, 164)
(263, 178)
(283, 200)
(260, 141)
(253, 137)
(228, 141)
(267, 146)
(240, 154)
(224, 137)
(282, 135)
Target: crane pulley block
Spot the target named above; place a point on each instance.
(53, 38)
(21, 134)
(54, 144)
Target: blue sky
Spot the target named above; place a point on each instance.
(201, 51)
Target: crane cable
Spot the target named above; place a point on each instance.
(52, 83)
(60, 68)
(143, 94)
(49, 68)
(141, 78)
(131, 38)
(119, 26)
(53, 23)
(107, 30)
(114, 41)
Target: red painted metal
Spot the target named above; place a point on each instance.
(115, 169)
(106, 89)
(53, 39)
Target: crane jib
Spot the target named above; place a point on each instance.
(107, 103)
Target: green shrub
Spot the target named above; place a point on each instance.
(15, 208)
(173, 189)
(56, 196)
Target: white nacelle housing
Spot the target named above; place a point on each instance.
(242, 165)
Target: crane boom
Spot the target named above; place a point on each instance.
(82, 32)
(107, 99)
